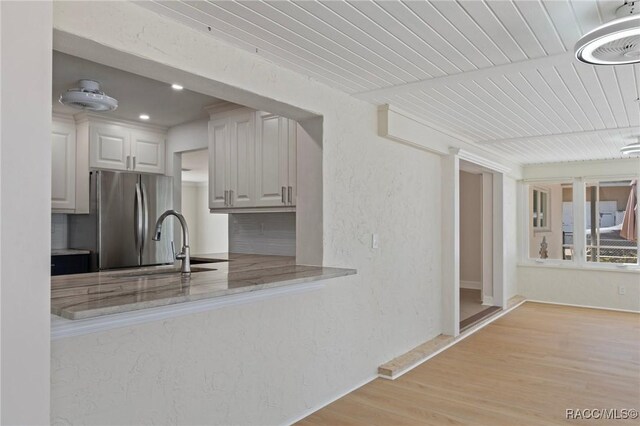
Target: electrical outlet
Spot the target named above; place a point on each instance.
(622, 290)
(375, 241)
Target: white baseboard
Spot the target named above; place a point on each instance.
(583, 306)
(310, 411)
(472, 285)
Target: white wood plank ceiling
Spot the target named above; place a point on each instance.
(499, 73)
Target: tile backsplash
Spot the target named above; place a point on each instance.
(59, 226)
(263, 233)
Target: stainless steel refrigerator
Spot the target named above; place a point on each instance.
(124, 207)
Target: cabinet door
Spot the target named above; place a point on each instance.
(63, 166)
(271, 161)
(292, 168)
(242, 160)
(109, 147)
(218, 163)
(147, 152)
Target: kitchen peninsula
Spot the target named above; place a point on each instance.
(88, 296)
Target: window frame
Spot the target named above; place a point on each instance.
(589, 181)
(578, 260)
(529, 188)
(532, 211)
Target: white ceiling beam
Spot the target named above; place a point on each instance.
(633, 130)
(478, 74)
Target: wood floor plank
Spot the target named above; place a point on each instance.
(527, 367)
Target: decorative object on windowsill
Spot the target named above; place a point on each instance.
(544, 254)
(615, 43)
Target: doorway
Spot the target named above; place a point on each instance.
(476, 245)
(209, 231)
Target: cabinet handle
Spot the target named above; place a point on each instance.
(284, 195)
(226, 198)
(128, 159)
(231, 197)
(134, 162)
(290, 194)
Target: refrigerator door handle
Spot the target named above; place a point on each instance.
(138, 218)
(145, 216)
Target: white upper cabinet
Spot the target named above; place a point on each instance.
(252, 161)
(110, 147)
(147, 152)
(271, 161)
(63, 170)
(242, 160)
(292, 168)
(218, 163)
(119, 146)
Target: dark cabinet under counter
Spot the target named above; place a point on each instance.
(65, 262)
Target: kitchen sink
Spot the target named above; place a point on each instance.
(200, 260)
(156, 272)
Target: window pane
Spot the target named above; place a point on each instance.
(610, 237)
(551, 230)
(535, 209)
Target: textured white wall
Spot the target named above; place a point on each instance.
(580, 286)
(511, 236)
(25, 211)
(268, 362)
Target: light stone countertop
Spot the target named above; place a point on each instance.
(96, 294)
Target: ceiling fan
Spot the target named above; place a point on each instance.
(615, 43)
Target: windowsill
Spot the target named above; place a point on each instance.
(567, 264)
(542, 231)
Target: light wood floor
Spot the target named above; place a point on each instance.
(525, 368)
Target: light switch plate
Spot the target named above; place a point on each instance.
(375, 242)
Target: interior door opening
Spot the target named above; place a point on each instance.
(476, 245)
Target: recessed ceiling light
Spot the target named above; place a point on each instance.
(614, 43)
(176, 87)
(144, 117)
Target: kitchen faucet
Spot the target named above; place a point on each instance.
(185, 254)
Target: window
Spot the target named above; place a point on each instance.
(551, 221)
(611, 221)
(540, 208)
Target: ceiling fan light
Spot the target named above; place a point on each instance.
(632, 148)
(614, 43)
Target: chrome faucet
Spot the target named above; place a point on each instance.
(184, 254)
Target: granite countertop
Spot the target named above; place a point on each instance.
(91, 295)
(68, 252)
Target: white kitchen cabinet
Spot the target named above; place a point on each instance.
(109, 146)
(120, 147)
(147, 152)
(218, 163)
(242, 160)
(251, 161)
(63, 166)
(231, 160)
(275, 179)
